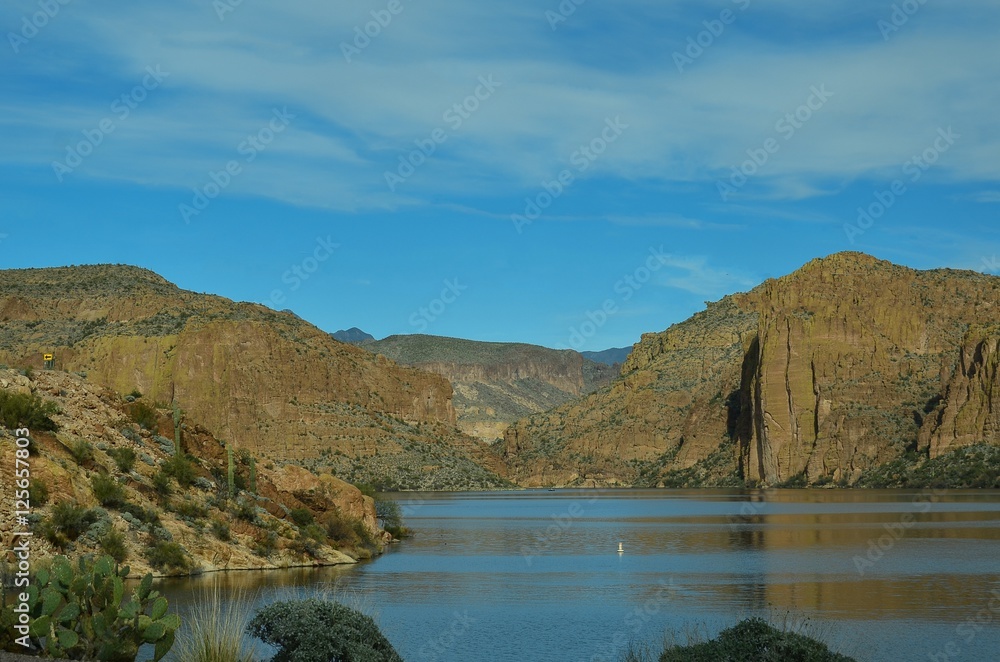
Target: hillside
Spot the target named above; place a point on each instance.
(496, 384)
(267, 382)
(846, 365)
(108, 479)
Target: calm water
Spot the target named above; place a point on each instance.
(536, 576)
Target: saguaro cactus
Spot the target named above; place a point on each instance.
(232, 472)
(177, 429)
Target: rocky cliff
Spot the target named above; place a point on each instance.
(844, 365)
(261, 525)
(267, 382)
(498, 383)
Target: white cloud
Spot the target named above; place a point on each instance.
(356, 119)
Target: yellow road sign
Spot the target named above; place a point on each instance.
(47, 357)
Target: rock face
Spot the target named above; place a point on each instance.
(848, 363)
(99, 418)
(968, 411)
(264, 381)
(498, 383)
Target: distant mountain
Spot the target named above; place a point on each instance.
(849, 367)
(353, 336)
(262, 381)
(498, 383)
(613, 356)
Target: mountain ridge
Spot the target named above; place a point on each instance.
(816, 376)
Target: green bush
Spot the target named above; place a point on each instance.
(754, 640)
(82, 451)
(265, 543)
(124, 458)
(190, 509)
(82, 613)
(161, 483)
(314, 630)
(143, 415)
(19, 410)
(391, 515)
(180, 469)
(38, 493)
(221, 530)
(147, 516)
(108, 491)
(168, 556)
(301, 516)
(339, 529)
(68, 522)
(113, 544)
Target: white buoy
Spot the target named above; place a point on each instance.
(621, 550)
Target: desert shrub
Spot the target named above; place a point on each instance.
(190, 509)
(215, 627)
(143, 415)
(69, 519)
(26, 410)
(144, 515)
(391, 515)
(301, 516)
(107, 491)
(180, 469)
(245, 509)
(314, 630)
(38, 493)
(754, 640)
(265, 543)
(83, 612)
(220, 530)
(124, 459)
(339, 528)
(113, 544)
(82, 451)
(164, 555)
(161, 484)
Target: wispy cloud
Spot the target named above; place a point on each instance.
(695, 275)
(889, 97)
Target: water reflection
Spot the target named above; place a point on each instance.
(542, 569)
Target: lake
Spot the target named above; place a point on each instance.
(536, 575)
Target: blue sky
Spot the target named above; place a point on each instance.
(254, 150)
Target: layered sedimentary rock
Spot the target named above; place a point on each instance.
(498, 383)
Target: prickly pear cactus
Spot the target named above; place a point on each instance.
(83, 613)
